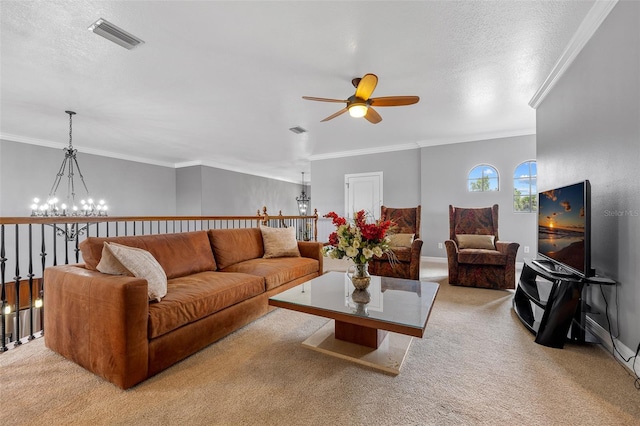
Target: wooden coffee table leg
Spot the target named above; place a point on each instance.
(365, 336)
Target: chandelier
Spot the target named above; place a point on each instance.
(303, 200)
(53, 206)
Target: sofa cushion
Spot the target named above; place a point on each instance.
(231, 246)
(481, 257)
(196, 296)
(279, 242)
(179, 254)
(136, 262)
(276, 271)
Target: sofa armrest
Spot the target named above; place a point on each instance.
(98, 321)
(416, 253)
(452, 260)
(452, 247)
(507, 248)
(312, 250)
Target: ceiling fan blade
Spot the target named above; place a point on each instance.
(311, 98)
(366, 86)
(372, 116)
(386, 101)
(332, 116)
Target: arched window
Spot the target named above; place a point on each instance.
(525, 187)
(483, 177)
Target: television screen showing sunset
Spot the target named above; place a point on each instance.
(561, 225)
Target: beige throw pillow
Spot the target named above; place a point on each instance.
(279, 242)
(401, 240)
(124, 260)
(467, 241)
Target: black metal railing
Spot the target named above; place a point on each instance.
(28, 245)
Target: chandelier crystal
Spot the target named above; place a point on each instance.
(53, 206)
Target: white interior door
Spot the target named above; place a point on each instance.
(363, 191)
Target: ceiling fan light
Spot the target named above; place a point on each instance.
(358, 110)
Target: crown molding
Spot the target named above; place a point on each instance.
(366, 151)
(58, 145)
(477, 137)
(235, 169)
(109, 154)
(592, 21)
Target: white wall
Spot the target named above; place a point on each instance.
(588, 127)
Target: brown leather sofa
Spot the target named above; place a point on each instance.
(217, 283)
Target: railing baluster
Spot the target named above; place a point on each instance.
(55, 247)
(3, 327)
(16, 283)
(30, 275)
(43, 256)
(66, 246)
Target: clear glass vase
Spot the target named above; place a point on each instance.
(360, 277)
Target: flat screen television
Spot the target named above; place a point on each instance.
(564, 229)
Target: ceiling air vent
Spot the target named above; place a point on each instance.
(297, 130)
(117, 35)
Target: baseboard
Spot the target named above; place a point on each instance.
(604, 338)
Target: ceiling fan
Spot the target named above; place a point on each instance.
(360, 103)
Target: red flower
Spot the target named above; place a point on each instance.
(337, 220)
(333, 239)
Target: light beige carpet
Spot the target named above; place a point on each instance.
(476, 365)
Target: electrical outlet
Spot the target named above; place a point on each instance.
(439, 245)
(526, 249)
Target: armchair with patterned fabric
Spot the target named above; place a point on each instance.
(406, 244)
(475, 256)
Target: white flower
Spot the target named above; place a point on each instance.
(356, 244)
(351, 251)
(377, 251)
(368, 253)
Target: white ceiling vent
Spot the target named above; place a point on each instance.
(117, 35)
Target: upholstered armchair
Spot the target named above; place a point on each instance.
(475, 255)
(406, 245)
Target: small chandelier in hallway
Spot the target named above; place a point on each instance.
(54, 206)
(303, 200)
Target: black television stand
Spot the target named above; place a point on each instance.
(549, 302)
(551, 268)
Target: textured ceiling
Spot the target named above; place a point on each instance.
(220, 82)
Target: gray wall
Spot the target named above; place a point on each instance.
(445, 169)
(137, 189)
(129, 188)
(210, 191)
(401, 179)
(189, 191)
(588, 127)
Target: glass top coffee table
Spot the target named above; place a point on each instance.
(373, 327)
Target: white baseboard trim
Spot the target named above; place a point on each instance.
(604, 338)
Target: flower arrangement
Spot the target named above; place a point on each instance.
(357, 240)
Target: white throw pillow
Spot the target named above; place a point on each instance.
(118, 259)
(279, 242)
